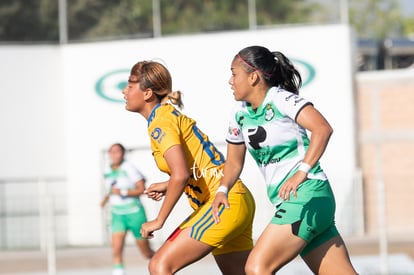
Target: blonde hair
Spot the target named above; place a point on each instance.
(155, 76)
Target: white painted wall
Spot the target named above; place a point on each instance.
(69, 120)
(31, 112)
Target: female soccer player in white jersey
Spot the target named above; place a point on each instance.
(125, 184)
(270, 121)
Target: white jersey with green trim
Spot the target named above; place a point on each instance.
(277, 143)
(125, 177)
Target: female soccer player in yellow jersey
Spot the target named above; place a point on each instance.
(194, 166)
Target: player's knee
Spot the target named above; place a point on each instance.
(156, 266)
(148, 253)
(252, 268)
(153, 266)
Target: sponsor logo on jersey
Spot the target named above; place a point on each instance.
(234, 131)
(295, 97)
(157, 134)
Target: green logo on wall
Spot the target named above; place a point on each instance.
(306, 70)
(110, 85)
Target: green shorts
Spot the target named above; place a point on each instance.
(129, 221)
(311, 213)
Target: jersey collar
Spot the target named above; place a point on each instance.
(262, 106)
(152, 114)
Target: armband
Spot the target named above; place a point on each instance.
(222, 189)
(304, 167)
(124, 192)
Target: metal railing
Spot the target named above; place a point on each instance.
(33, 213)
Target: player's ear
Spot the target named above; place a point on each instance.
(254, 78)
(148, 93)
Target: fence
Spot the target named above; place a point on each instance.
(33, 213)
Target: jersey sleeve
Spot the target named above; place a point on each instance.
(108, 179)
(234, 132)
(134, 174)
(165, 135)
(290, 104)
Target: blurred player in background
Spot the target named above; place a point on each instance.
(194, 166)
(125, 184)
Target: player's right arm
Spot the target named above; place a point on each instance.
(104, 200)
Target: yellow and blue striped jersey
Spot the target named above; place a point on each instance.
(168, 127)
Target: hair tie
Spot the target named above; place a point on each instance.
(252, 67)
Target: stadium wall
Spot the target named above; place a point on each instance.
(63, 108)
(386, 150)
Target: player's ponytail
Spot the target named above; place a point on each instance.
(275, 68)
(174, 98)
(285, 74)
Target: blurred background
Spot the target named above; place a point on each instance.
(384, 28)
(48, 134)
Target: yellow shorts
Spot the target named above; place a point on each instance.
(234, 231)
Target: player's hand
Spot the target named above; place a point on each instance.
(156, 190)
(148, 228)
(156, 196)
(291, 185)
(219, 202)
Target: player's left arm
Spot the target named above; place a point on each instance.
(135, 192)
(139, 189)
(312, 120)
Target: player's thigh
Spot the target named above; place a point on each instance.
(118, 223)
(276, 246)
(331, 257)
(134, 223)
(178, 252)
(232, 263)
(119, 230)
